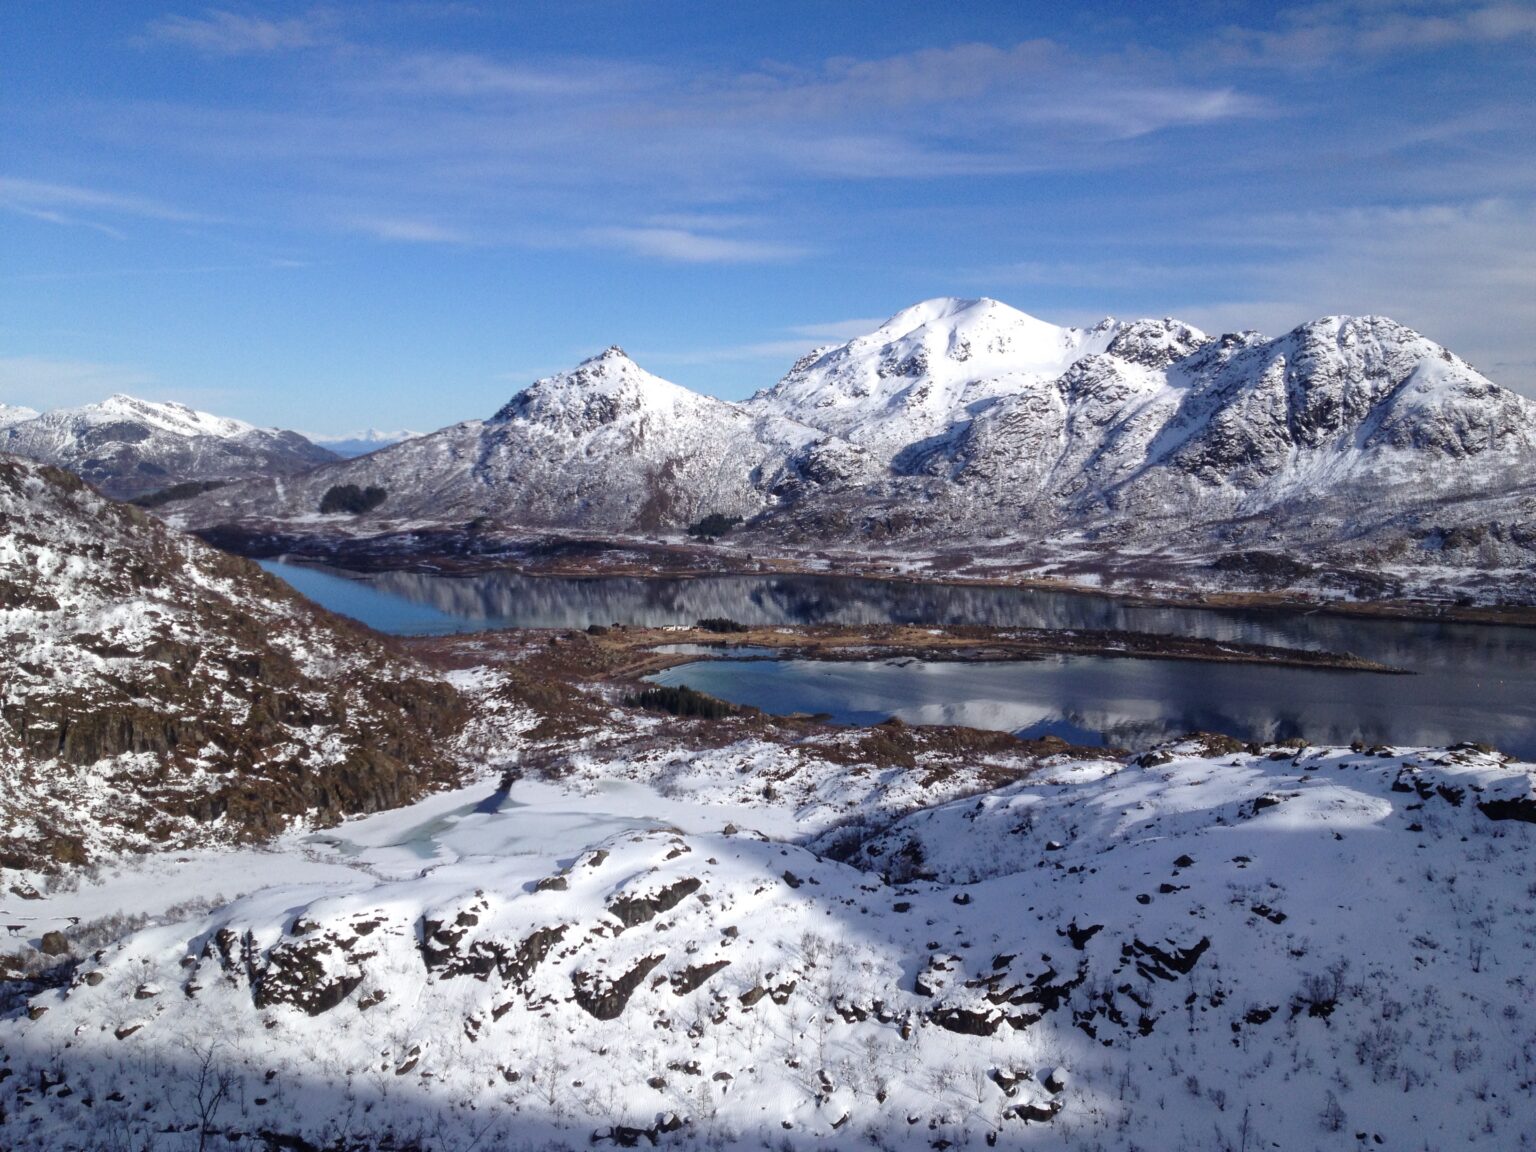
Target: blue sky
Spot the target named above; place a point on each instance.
(399, 213)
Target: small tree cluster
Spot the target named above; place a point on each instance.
(722, 624)
(681, 701)
(178, 492)
(351, 498)
(713, 526)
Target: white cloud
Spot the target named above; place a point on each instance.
(803, 338)
(839, 330)
(1315, 35)
(62, 204)
(407, 230)
(222, 33)
(471, 75)
(1460, 274)
(680, 245)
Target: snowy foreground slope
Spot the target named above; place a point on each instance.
(128, 447)
(156, 694)
(1209, 949)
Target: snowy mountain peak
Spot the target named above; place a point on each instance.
(955, 310)
(1153, 343)
(350, 445)
(980, 330)
(14, 414)
(928, 369)
(166, 416)
(599, 391)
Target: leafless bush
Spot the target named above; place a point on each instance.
(94, 934)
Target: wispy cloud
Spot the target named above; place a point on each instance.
(472, 75)
(72, 206)
(475, 124)
(800, 339)
(681, 245)
(1459, 273)
(1314, 35)
(275, 263)
(837, 331)
(407, 230)
(222, 33)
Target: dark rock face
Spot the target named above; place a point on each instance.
(299, 974)
(606, 999)
(447, 951)
(1520, 808)
(695, 975)
(1166, 964)
(633, 910)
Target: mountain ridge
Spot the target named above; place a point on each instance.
(963, 421)
(129, 447)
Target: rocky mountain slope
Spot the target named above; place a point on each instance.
(1212, 948)
(905, 387)
(605, 445)
(129, 448)
(156, 694)
(964, 423)
(1151, 431)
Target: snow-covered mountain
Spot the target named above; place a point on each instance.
(1017, 423)
(605, 445)
(692, 933)
(1244, 425)
(128, 447)
(13, 414)
(926, 370)
(959, 422)
(156, 693)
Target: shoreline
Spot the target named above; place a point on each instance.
(639, 653)
(1193, 599)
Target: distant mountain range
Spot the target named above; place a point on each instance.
(352, 444)
(956, 424)
(965, 422)
(130, 448)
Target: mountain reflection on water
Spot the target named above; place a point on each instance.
(1474, 682)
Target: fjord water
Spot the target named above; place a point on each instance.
(1471, 682)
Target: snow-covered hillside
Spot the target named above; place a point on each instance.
(925, 371)
(1150, 430)
(12, 414)
(605, 445)
(1209, 949)
(962, 423)
(156, 694)
(128, 447)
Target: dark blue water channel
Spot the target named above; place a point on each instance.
(1472, 682)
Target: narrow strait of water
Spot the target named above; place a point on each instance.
(1473, 682)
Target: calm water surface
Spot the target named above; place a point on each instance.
(1473, 682)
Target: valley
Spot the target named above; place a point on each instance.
(812, 760)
